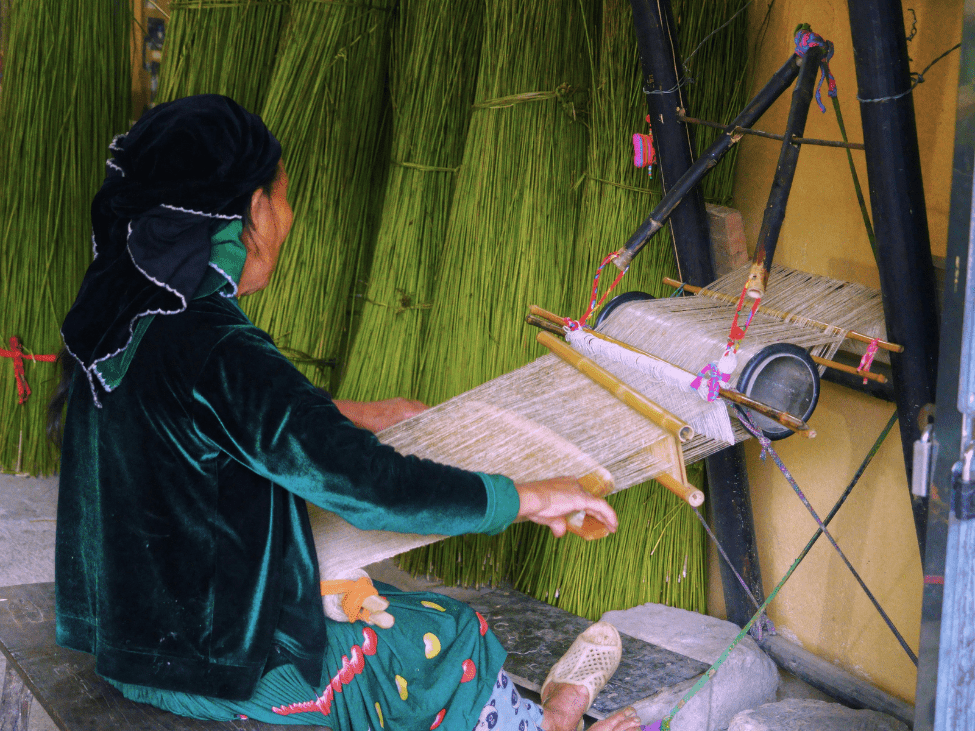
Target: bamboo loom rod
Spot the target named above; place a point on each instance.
(771, 135)
(788, 317)
(548, 321)
(632, 398)
(869, 375)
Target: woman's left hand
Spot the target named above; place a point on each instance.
(378, 415)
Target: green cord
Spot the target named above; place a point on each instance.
(856, 180)
(665, 724)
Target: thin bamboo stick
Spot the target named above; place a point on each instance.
(770, 135)
(788, 317)
(634, 399)
(836, 366)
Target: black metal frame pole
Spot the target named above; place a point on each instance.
(656, 37)
(780, 81)
(727, 480)
(900, 218)
(785, 173)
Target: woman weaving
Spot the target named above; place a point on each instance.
(184, 559)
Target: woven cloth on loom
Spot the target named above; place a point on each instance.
(546, 419)
(542, 420)
(690, 332)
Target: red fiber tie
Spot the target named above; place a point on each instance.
(17, 354)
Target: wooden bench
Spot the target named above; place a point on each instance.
(65, 684)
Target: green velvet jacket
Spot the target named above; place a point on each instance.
(184, 556)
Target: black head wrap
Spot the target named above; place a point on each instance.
(184, 166)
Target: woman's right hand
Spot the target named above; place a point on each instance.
(552, 502)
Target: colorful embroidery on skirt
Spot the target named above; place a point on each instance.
(350, 668)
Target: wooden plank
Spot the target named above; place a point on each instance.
(14, 703)
(65, 683)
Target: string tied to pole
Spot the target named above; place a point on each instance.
(717, 374)
(665, 723)
(16, 353)
(595, 301)
(767, 450)
(806, 39)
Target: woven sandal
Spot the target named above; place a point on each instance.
(590, 661)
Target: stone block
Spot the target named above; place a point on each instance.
(809, 715)
(746, 679)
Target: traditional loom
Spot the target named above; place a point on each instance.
(548, 419)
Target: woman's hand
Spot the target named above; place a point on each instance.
(378, 415)
(551, 502)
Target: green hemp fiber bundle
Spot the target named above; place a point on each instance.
(432, 72)
(222, 47)
(512, 223)
(325, 104)
(65, 93)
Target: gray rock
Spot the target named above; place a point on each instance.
(746, 679)
(808, 715)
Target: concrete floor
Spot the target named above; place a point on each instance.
(28, 511)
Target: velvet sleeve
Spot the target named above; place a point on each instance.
(251, 403)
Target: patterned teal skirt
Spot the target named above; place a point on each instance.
(437, 667)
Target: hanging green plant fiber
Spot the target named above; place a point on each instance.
(65, 93)
(512, 223)
(514, 211)
(325, 104)
(433, 70)
(222, 47)
(720, 88)
(616, 195)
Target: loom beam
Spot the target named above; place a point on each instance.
(900, 218)
(727, 480)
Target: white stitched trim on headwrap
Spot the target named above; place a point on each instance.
(229, 279)
(151, 278)
(116, 138)
(115, 167)
(91, 383)
(201, 213)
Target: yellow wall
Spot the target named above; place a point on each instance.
(821, 607)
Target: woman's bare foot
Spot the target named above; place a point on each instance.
(565, 705)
